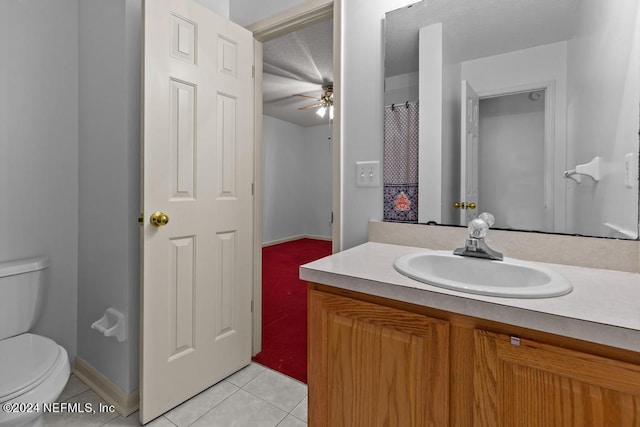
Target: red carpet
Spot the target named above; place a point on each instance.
(284, 305)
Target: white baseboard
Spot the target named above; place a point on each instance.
(125, 403)
(298, 237)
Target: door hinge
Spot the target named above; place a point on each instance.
(253, 188)
(252, 306)
(253, 71)
(332, 217)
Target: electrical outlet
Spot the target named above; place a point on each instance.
(368, 174)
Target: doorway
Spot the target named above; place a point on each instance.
(511, 152)
(290, 21)
(296, 184)
(297, 83)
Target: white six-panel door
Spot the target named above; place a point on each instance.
(198, 170)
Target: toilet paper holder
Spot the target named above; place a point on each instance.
(112, 324)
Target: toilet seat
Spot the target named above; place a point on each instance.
(29, 360)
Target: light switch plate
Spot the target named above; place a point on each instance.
(368, 174)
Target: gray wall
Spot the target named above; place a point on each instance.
(39, 150)
(296, 180)
(109, 171)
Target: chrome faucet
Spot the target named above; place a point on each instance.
(475, 245)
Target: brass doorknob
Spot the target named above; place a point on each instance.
(464, 205)
(159, 219)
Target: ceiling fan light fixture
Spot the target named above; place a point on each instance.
(325, 101)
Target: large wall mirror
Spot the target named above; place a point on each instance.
(528, 109)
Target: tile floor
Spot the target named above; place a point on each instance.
(256, 396)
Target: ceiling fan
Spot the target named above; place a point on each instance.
(325, 101)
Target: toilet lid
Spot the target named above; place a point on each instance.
(26, 359)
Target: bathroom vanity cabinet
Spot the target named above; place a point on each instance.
(376, 361)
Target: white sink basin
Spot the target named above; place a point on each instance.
(507, 278)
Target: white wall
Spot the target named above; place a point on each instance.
(109, 175)
(451, 77)
(281, 174)
(317, 180)
(431, 123)
(39, 150)
(246, 12)
(362, 110)
(296, 180)
(439, 158)
(603, 113)
(401, 88)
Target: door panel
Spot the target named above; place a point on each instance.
(198, 169)
(183, 126)
(182, 290)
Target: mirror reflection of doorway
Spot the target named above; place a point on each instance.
(511, 181)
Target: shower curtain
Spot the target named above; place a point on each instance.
(401, 163)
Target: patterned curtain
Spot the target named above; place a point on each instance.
(401, 163)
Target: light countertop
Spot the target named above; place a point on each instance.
(604, 306)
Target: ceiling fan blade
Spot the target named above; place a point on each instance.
(310, 106)
(306, 96)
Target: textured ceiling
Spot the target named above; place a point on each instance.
(476, 28)
(297, 63)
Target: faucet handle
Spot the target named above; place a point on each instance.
(478, 228)
(488, 218)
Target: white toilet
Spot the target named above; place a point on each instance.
(33, 369)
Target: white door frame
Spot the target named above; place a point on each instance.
(290, 20)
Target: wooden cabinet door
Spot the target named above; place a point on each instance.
(371, 365)
(534, 384)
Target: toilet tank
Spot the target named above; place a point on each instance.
(21, 289)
